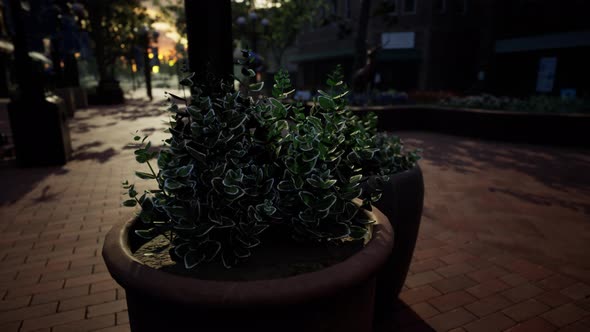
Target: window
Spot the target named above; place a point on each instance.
(440, 6)
(386, 7)
(390, 6)
(335, 7)
(409, 6)
(347, 8)
(460, 6)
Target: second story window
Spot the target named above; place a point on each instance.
(335, 7)
(440, 6)
(459, 6)
(347, 8)
(390, 6)
(409, 6)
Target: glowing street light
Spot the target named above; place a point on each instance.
(251, 31)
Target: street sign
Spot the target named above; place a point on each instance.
(398, 40)
(546, 75)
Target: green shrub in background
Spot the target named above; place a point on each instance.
(542, 104)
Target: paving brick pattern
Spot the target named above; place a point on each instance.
(503, 246)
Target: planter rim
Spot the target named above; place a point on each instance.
(475, 110)
(139, 278)
(415, 169)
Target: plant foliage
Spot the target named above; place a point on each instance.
(235, 166)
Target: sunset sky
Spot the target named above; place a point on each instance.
(169, 37)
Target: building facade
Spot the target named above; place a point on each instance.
(509, 47)
(541, 46)
(425, 45)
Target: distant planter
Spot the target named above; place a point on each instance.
(106, 93)
(565, 129)
(80, 97)
(337, 298)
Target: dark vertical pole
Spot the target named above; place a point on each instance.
(28, 87)
(208, 25)
(70, 71)
(96, 12)
(254, 36)
(147, 68)
(360, 43)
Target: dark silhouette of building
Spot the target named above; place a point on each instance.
(512, 47)
(426, 45)
(541, 46)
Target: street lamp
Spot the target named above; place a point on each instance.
(145, 35)
(241, 21)
(252, 16)
(251, 29)
(265, 22)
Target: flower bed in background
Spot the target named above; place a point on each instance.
(542, 104)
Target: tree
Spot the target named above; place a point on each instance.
(113, 26)
(287, 18)
(172, 11)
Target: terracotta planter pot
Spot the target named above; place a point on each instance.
(401, 203)
(337, 298)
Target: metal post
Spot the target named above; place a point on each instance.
(209, 37)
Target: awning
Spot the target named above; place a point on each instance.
(544, 42)
(401, 54)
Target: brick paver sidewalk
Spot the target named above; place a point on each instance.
(503, 244)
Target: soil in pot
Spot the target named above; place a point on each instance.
(277, 259)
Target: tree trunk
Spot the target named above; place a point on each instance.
(109, 90)
(360, 54)
(96, 13)
(147, 71)
(71, 73)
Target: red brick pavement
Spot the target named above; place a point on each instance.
(503, 243)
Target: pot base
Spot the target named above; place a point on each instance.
(339, 298)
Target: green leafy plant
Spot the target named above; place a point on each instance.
(322, 155)
(235, 165)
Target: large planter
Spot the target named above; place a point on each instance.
(338, 298)
(401, 203)
(567, 129)
(45, 118)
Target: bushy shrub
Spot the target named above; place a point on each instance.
(236, 165)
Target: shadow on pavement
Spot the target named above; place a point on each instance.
(544, 200)
(18, 182)
(82, 127)
(403, 319)
(557, 168)
(130, 111)
(82, 153)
